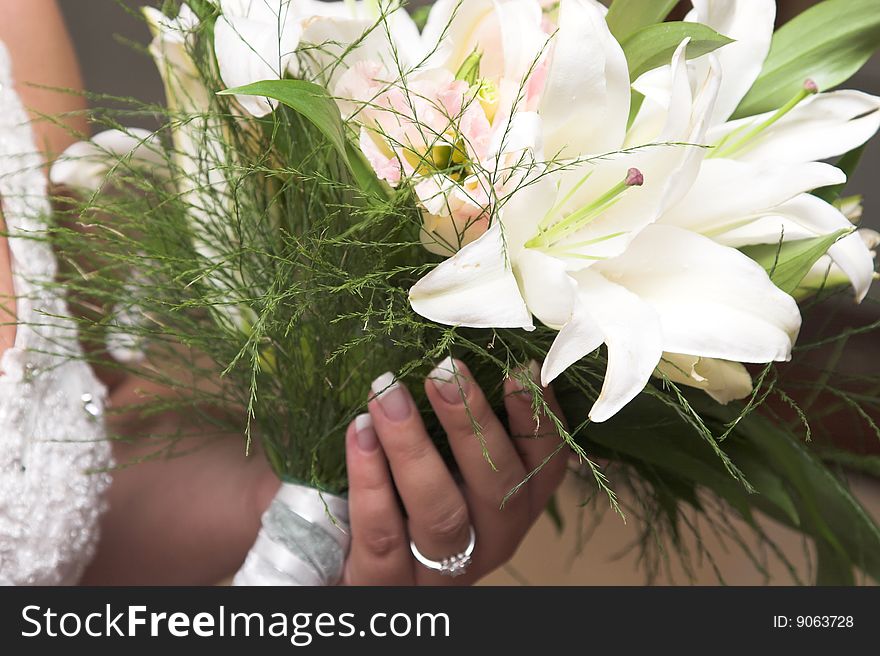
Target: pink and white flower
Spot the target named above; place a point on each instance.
(582, 252)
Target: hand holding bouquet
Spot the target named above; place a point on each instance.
(636, 204)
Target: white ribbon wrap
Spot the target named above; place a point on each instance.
(303, 540)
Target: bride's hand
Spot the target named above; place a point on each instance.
(390, 456)
(167, 516)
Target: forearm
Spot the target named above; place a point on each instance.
(46, 71)
(186, 519)
(182, 512)
(42, 56)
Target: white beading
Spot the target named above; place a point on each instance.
(53, 451)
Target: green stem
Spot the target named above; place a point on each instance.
(723, 150)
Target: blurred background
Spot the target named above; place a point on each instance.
(110, 38)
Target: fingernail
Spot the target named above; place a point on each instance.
(393, 400)
(533, 371)
(365, 434)
(452, 385)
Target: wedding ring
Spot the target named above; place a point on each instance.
(451, 566)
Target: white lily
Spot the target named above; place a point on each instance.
(582, 254)
(338, 35)
(826, 274)
(590, 215)
(752, 188)
(256, 40)
(722, 380)
(197, 166)
(200, 156)
(453, 136)
(86, 165)
(198, 138)
(670, 291)
(511, 39)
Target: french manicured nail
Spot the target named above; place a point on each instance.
(452, 384)
(365, 433)
(533, 371)
(394, 401)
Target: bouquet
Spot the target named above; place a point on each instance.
(642, 205)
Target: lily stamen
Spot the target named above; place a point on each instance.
(725, 149)
(584, 216)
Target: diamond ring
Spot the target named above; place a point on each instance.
(452, 565)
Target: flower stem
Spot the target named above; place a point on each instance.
(726, 150)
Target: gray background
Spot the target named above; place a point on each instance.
(109, 36)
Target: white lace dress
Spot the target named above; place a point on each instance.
(53, 454)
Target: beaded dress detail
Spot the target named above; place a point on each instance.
(53, 453)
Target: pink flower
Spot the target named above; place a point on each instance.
(430, 129)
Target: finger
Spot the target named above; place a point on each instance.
(439, 522)
(537, 440)
(500, 513)
(379, 545)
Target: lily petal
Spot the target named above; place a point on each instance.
(750, 24)
(728, 193)
(805, 217)
(336, 43)
(609, 313)
(722, 380)
(475, 288)
(712, 300)
(577, 339)
(856, 260)
(86, 164)
(548, 290)
(587, 95)
(677, 110)
(524, 43)
(822, 126)
(450, 31)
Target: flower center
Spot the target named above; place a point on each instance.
(450, 159)
(488, 97)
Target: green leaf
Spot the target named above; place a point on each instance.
(831, 568)
(420, 16)
(204, 9)
(866, 464)
(791, 261)
(839, 525)
(827, 43)
(552, 510)
(653, 46)
(626, 17)
(765, 481)
(313, 102)
(469, 71)
(848, 164)
(793, 486)
(649, 436)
